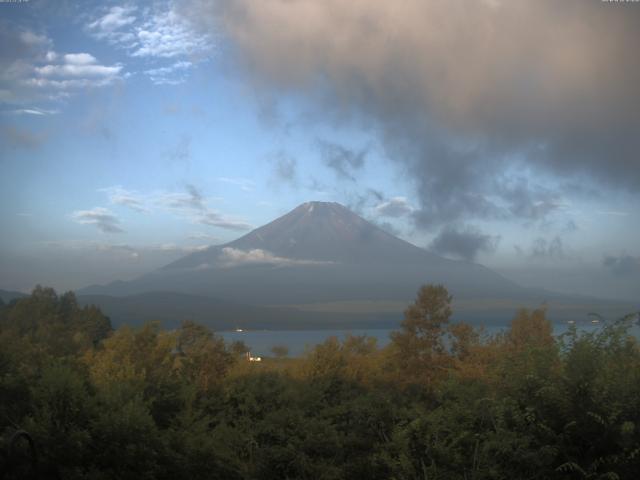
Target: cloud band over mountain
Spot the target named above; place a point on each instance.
(463, 95)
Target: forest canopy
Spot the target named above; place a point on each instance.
(81, 400)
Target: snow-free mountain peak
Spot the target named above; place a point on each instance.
(317, 252)
(316, 231)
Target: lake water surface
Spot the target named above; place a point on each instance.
(261, 341)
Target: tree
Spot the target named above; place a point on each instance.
(280, 351)
(55, 325)
(419, 348)
(531, 329)
(463, 338)
(204, 358)
(60, 418)
(238, 347)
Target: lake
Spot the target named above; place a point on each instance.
(261, 341)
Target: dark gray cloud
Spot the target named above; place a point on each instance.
(285, 168)
(526, 201)
(103, 219)
(365, 202)
(317, 186)
(192, 200)
(543, 86)
(201, 236)
(463, 242)
(195, 198)
(544, 249)
(388, 227)
(359, 201)
(193, 206)
(118, 251)
(623, 265)
(548, 249)
(181, 151)
(19, 43)
(570, 226)
(342, 160)
(214, 219)
(19, 50)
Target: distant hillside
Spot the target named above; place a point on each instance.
(322, 254)
(172, 308)
(318, 252)
(8, 295)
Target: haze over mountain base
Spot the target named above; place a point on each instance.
(319, 266)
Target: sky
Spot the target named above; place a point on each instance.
(504, 133)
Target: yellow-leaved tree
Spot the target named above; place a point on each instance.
(418, 349)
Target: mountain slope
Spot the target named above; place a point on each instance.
(7, 295)
(321, 232)
(318, 252)
(322, 265)
(171, 309)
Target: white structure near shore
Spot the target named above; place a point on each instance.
(253, 359)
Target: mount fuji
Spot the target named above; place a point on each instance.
(318, 259)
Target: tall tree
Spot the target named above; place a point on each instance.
(419, 347)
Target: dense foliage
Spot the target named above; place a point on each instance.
(441, 401)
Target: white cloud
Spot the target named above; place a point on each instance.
(182, 249)
(231, 257)
(33, 39)
(103, 219)
(74, 66)
(34, 111)
(612, 213)
(120, 196)
(73, 70)
(110, 24)
(158, 34)
(32, 72)
(171, 75)
(78, 58)
(191, 205)
(68, 86)
(245, 184)
(395, 207)
(119, 250)
(168, 34)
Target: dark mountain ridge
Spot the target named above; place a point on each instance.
(321, 232)
(8, 295)
(320, 254)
